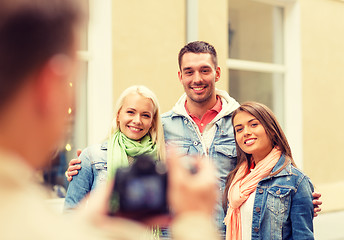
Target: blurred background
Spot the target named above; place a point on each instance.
(287, 54)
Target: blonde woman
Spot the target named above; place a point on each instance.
(136, 130)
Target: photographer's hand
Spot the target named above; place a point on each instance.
(94, 211)
(192, 198)
(191, 192)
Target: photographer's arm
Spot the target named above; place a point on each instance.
(192, 198)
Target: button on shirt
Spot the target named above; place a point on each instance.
(208, 116)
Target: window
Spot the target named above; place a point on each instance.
(92, 116)
(264, 60)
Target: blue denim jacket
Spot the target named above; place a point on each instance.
(181, 131)
(92, 173)
(283, 207)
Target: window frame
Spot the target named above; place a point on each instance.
(100, 76)
(292, 74)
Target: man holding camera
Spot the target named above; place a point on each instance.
(38, 43)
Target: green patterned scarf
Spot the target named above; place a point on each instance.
(120, 147)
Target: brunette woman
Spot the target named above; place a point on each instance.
(267, 196)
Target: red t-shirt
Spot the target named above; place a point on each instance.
(208, 116)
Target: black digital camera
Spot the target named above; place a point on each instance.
(140, 190)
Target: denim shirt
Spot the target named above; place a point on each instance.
(93, 172)
(283, 207)
(181, 131)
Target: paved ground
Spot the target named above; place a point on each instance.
(329, 226)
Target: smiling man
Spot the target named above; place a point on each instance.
(200, 122)
(198, 75)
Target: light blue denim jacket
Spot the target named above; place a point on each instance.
(93, 172)
(181, 131)
(283, 207)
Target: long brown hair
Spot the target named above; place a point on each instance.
(274, 132)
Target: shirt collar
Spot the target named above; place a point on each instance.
(217, 107)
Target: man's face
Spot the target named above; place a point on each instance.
(198, 76)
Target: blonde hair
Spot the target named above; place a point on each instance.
(156, 131)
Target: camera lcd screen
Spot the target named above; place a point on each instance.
(144, 192)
